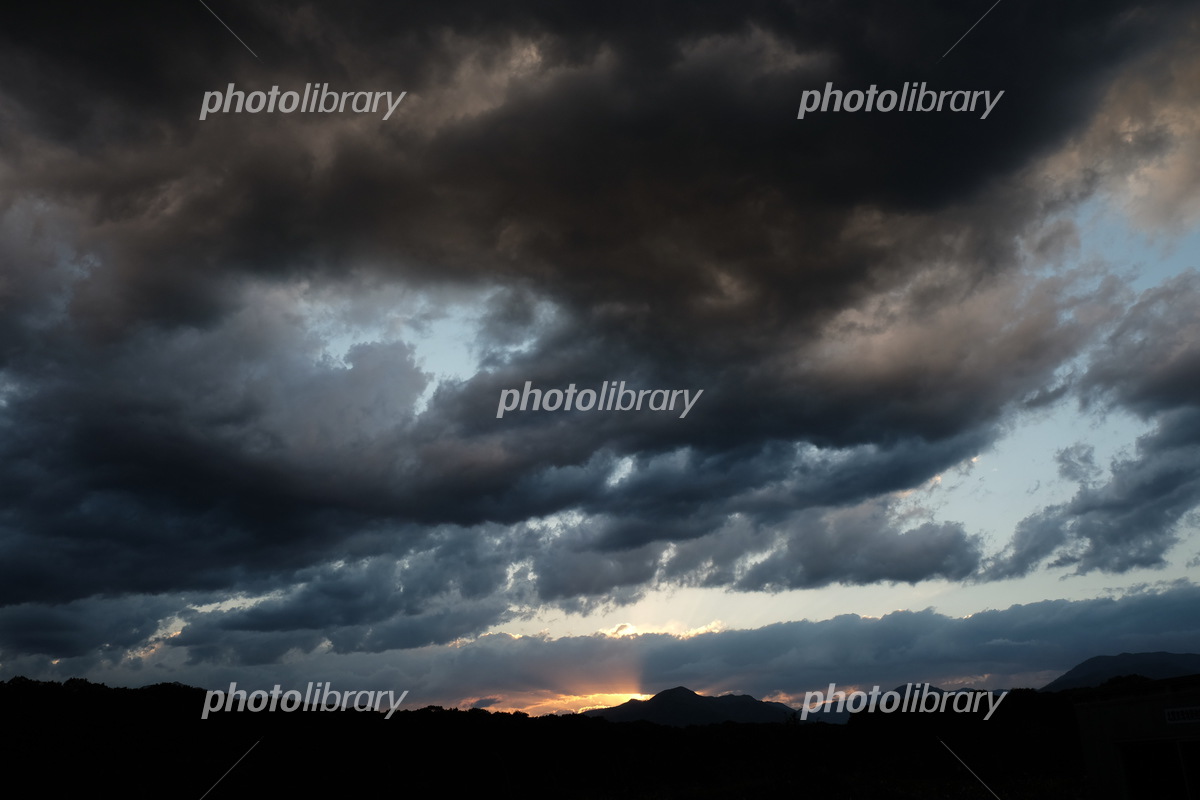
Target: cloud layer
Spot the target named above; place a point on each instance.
(212, 386)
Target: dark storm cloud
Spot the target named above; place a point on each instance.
(98, 627)
(623, 195)
(225, 640)
(174, 448)
(612, 158)
(1151, 359)
(863, 547)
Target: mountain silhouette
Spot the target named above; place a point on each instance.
(1099, 669)
(71, 723)
(681, 707)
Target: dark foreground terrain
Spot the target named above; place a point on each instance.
(82, 739)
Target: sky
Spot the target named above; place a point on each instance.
(253, 366)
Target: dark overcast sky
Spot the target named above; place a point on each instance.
(228, 445)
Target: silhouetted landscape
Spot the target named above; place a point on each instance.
(1096, 671)
(151, 742)
(681, 707)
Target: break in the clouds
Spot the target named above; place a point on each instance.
(1147, 364)
(226, 426)
(1023, 645)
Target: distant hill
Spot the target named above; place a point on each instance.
(1096, 671)
(681, 706)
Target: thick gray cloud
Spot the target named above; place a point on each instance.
(860, 545)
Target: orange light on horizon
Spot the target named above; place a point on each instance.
(537, 704)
